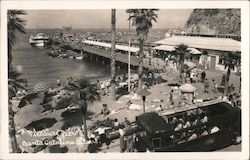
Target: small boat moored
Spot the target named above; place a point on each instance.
(40, 40)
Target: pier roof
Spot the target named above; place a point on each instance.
(212, 43)
(107, 54)
(108, 45)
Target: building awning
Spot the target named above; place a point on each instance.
(211, 43)
(107, 45)
(170, 48)
(164, 48)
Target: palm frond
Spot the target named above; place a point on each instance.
(142, 19)
(15, 25)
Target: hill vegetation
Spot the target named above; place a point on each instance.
(214, 21)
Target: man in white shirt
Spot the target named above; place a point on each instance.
(204, 120)
(102, 133)
(179, 127)
(58, 81)
(214, 129)
(192, 137)
(101, 130)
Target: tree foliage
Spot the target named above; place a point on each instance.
(15, 26)
(231, 60)
(183, 53)
(143, 20)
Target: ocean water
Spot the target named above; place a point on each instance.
(39, 67)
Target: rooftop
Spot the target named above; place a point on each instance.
(154, 123)
(212, 43)
(172, 48)
(108, 45)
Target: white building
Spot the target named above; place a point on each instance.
(216, 47)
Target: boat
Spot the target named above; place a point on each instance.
(79, 57)
(40, 40)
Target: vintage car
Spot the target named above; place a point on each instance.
(205, 128)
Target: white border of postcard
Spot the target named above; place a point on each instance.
(59, 4)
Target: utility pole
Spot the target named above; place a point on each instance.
(113, 54)
(129, 76)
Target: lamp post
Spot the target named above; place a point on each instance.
(144, 93)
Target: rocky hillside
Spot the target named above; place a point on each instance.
(214, 21)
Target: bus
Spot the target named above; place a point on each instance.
(200, 129)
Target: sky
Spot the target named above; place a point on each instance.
(87, 18)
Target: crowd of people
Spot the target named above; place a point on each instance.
(106, 131)
(191, 119)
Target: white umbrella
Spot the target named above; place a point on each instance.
(188, 88)
(42, 86)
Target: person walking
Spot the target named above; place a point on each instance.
(215, 86)
(223, 79)
(121, 138)
(103, 137)
(129, 143)
(203, 76)
(128, 104)
(192, 76)
(116, 124)
(171, 97)
(206, 86)
(58, 81)
(126, 122)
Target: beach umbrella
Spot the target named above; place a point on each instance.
(41, 124)
(188, 88)
(42, 86)
(26, 98)
(27, 114)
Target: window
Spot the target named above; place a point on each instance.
(221, 60)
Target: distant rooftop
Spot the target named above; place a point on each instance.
(212, 43)
(172, 48)
(108, 45)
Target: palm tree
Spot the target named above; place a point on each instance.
(142, 19)
(84, 94)
(14, 83)
(113, 35)
(182, 53)
(231, 60)
(15, 25)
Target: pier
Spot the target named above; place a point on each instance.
(103, 55)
